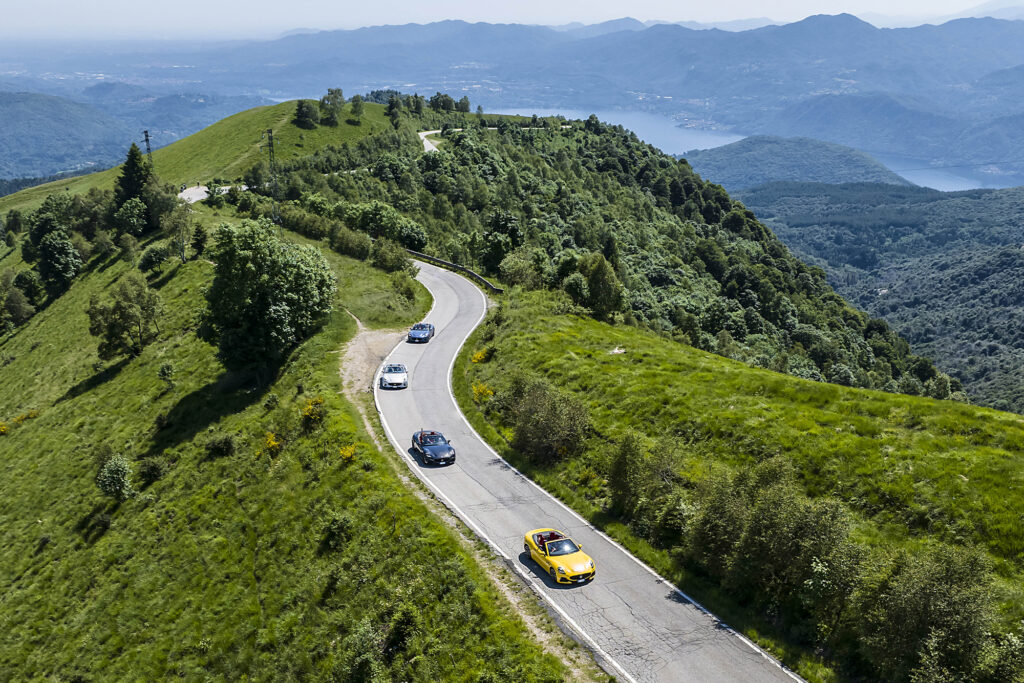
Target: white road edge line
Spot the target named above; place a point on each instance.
(572, 512)
(469, 522)
(579, 517)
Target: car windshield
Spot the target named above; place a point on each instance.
(431, 439)
(391, 369)
(420, 326)
(562, 547)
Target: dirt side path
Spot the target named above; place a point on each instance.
(362, 357)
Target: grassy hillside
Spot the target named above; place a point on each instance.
(763, 159)
(274, 562)
(226, 149)
(914, 474)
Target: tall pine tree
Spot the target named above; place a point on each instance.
(134, 175)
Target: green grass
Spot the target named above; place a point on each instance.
(226, 149)
(216, 570)
(913, 470)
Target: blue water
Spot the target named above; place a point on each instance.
(663, 133)
(660, 131)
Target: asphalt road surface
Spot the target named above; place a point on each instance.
(640, 627)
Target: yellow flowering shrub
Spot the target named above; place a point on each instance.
(482, 356)
(273, 444)
(314, 412)
(481, 392)
(3, 428)
(347, 453)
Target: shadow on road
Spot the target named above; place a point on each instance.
(533, 568)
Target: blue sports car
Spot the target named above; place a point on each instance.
(421, 332)
(433, 448)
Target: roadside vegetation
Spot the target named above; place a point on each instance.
(858, 533)
(168, 516)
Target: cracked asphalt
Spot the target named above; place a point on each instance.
(639, 625)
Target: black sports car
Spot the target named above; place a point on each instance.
(421, 332)
(433, 448)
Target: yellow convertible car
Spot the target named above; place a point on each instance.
(559, 556)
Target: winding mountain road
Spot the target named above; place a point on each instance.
(640, 626)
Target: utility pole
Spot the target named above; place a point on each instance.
(273, 173)
(149, 148)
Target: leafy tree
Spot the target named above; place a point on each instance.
(462, 105)
(31, 285)
(128, 321)
(17, 307)
(267, 294)
(128, 247)
(575, 285)
(390, 256)
(307, 114)
(14, 222)
(442, 102)
(103, 246)
(154, 257)
(605, 291)
(131, 218)
(177, 225)
(160, 199)
(357, 107)
(10, 239)
(59, 262)
(115, 478)
(331, 105)
(199, 237)
(932, 606)
(135, 173)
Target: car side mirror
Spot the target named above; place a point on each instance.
(580, 546)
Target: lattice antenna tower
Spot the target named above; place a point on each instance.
(149, 148)
(269, 136)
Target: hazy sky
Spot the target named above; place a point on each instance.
(100, 19)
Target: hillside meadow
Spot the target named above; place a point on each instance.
(269, 558)
(913, 475)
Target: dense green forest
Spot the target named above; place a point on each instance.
(620, 226)
(944, 268)
(760, 159)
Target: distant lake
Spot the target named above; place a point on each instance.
(663, 133)
(660, 131)
(947, 179)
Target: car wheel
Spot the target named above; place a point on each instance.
(526, 549)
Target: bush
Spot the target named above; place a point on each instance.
(390, 257)
(350, 243)
(220, 446)
(154, 257)
(549, 424)
(337, 530)
(114, 478)
(314, 413)
(404, 285)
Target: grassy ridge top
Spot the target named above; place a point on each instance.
(225, 149)
(219, 568)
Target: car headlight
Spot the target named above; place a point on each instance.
(561, 570)
(591, 564)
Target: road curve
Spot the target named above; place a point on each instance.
(640, 627)
(428, 146)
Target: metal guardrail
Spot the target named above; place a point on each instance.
(476, 277)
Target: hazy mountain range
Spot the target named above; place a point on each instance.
(949, 94)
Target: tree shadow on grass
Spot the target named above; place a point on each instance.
(96, 522)
(165, 277)
(229, 393)
(94, 380)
